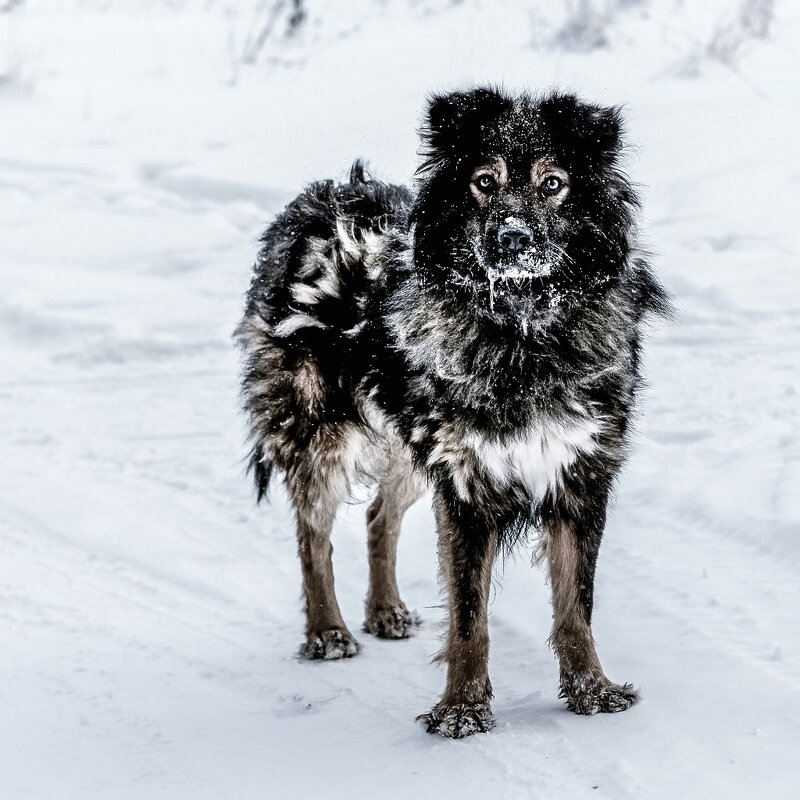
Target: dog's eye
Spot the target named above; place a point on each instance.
(486, 183)
(551, 185)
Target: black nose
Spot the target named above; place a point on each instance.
(514, 238)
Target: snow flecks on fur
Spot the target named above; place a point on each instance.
(391, 623)
(330, 646)
(534, 267)
(587, 695)
(458, 721)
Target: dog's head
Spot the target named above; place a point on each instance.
(521, 202)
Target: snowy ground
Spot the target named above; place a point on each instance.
(150, 613)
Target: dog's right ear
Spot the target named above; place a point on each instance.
(454, 121)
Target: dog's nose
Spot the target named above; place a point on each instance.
(514, 238)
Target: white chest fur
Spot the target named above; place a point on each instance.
(536, 456)
(539, 455)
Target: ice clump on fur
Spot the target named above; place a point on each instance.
(458, 721)
(533, 267)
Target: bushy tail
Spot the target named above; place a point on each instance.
(358, 173)
(261, 467)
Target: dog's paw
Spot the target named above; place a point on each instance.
(394, 622)
(329, 645)
(458, 720)
(592, 695)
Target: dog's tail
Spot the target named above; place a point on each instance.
(261, 467)
(358, 173)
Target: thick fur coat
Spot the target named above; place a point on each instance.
(480, 338)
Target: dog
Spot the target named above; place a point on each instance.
(479, 338)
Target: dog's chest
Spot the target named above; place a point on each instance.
(536, 456)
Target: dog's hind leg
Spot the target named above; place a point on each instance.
(574, 529)
(467, 547)
(317, 482)
(399, 487)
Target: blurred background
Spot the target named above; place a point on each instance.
(150, 612)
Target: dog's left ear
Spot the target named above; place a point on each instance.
(595, 129)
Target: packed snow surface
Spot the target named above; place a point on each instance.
(150, 613)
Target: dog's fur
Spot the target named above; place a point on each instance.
(481, 338)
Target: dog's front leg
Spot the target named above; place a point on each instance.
(574, 524)
(467, 547)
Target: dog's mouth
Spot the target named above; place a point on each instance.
(530, 264)
(519, 276)
(523, 272)
(522, 275)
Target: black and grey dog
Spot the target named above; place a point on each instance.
(480, 338)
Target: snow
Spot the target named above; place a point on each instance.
(151, 614)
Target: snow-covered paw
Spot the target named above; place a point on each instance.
(329, 645)
(592, 696)
(458, 720)
(394, 622)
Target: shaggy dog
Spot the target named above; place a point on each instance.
(480, 338)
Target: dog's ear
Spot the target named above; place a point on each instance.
(454, 121)
(595, 130)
